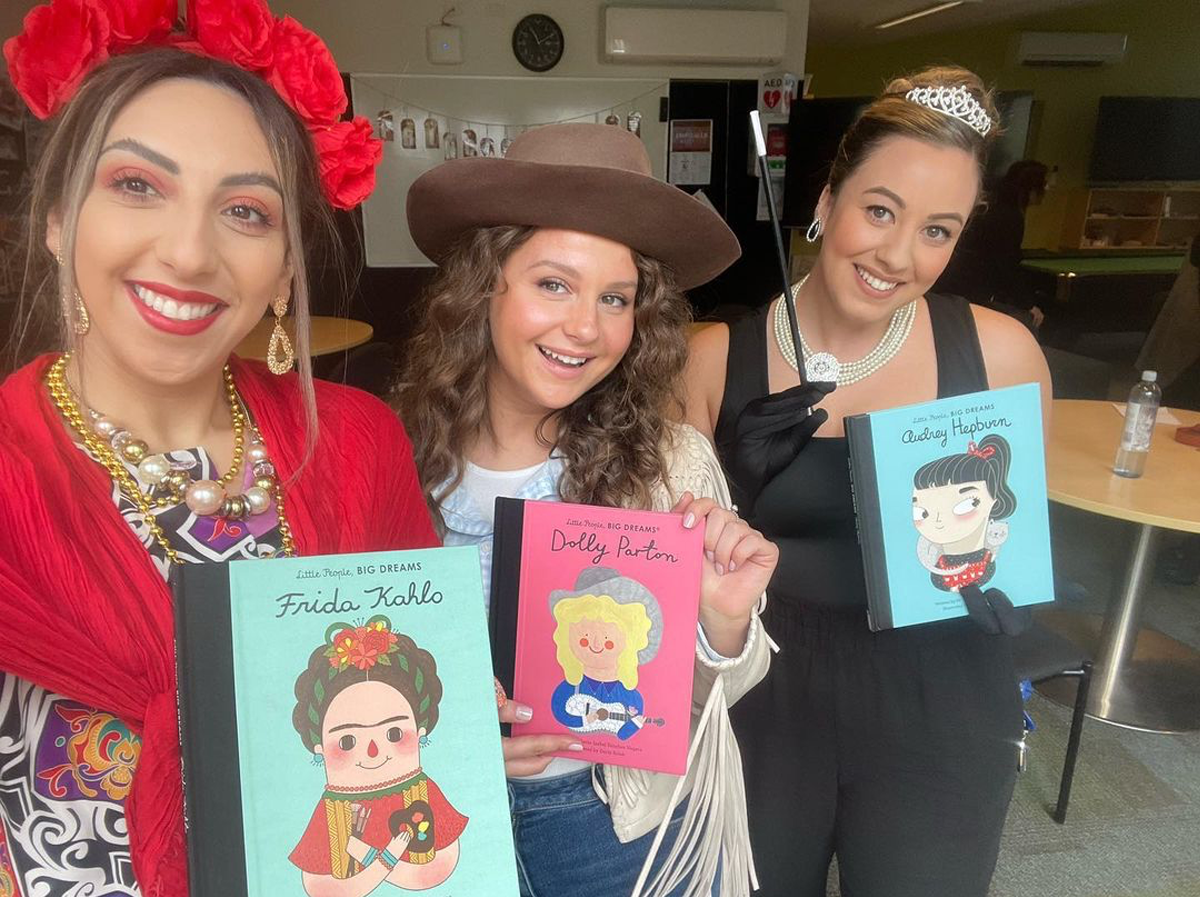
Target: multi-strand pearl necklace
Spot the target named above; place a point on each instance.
(112, 445)
(824, 367)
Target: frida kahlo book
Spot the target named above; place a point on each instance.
(593, 617)
(951, 493)
(338, 727)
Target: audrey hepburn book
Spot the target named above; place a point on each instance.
(951, 493)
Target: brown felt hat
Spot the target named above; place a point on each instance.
(584, 177)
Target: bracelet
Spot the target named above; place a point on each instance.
(388, 860)
(370, 857)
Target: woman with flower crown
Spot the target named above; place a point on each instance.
(186, 184)
(896, 750)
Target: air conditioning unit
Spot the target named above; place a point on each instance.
(720, 36)
(1070, 48)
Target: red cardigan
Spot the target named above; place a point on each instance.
(86, 614)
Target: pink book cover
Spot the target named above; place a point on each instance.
(606, 630)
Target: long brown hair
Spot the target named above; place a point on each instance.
(67, 166)
(611, 438)
(892, 115)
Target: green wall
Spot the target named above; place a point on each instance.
(1162, 59)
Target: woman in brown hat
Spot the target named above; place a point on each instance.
(547, 366)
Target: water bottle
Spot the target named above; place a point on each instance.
(1141, 412)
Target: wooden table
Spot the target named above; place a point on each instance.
(1067, 269)
(1143, 679)
(326, 335)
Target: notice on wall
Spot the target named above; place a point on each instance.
(691, 151)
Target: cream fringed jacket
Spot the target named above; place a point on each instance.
(714, 827)
(642, 801)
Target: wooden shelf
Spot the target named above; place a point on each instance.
(1133, 218)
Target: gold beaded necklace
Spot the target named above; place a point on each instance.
(100, 448)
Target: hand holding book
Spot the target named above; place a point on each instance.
(768, 435)
(738, 564)
(993, 611)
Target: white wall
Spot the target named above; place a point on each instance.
(389, 35)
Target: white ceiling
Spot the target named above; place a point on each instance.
(853, 21)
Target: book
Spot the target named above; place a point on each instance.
(951, 493)
(334, 708)
(593, 624)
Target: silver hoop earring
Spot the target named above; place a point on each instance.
(814, 230)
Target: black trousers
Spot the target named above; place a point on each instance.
(895, 750)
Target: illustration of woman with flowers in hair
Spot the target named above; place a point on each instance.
(959, 503)
(605, 628)
(365, 705)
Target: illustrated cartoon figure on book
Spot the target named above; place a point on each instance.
(605, 629)
(959, 504)
(364, 706)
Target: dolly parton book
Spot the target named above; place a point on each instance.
(593, 617)
(951, 493)
(338, 724)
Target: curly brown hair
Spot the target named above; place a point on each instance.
(412, 672)
(611, 438)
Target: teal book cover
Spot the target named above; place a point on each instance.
(951, 493)
(338, 727)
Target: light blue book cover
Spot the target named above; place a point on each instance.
(951, 493)
(367, 745)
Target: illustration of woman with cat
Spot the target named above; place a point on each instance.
(958, 505)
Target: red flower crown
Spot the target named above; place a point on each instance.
(65, 39)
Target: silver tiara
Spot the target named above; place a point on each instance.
(956, 102)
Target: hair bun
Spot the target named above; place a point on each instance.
(899, 87)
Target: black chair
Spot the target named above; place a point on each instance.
(1040, 654)
(370, 367)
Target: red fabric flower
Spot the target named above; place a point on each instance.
(135, 22)
(238, 31)
(305, 74)
(60, 44)
(348, 156)
(377, 641)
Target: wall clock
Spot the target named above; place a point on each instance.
(538, 42)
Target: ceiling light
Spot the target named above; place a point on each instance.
(920, 14)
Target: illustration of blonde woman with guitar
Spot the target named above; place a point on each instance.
(605, 628)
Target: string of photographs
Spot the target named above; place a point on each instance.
(425, 120)
(414, 127)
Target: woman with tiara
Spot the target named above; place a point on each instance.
(896, 751)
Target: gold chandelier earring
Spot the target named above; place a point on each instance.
(279, 340)
(73, 307)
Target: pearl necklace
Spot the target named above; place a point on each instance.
(204, 497)
(824, 367)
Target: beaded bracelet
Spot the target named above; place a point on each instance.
(388, 859)
(370, 857)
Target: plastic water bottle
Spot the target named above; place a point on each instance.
(1141, 412)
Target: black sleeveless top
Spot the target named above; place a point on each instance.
(808, 510)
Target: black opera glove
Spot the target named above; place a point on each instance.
(769, 433)
(993, 612)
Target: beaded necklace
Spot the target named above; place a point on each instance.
(106, 454)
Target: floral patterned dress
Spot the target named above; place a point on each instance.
(66, 769)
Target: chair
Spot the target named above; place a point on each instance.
(1040, 654)
(370, 367)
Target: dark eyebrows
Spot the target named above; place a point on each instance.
(965, 489)
(384, 722)
(255, 179)
(884, 191)
(249, 179)
(140, 149)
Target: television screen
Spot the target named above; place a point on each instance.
(814, 130)
(1147, 139)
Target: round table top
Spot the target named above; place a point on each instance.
(1084, 436)
(327, 335)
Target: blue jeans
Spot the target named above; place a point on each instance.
(565, 842)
